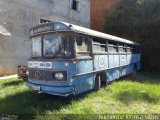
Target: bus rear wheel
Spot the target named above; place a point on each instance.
(97, 83)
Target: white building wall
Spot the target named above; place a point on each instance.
(19, 16)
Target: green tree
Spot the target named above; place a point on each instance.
(138, 20)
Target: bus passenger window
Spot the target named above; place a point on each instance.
(103, 48)
(82, 44)
(112, 47)
(128, 49)
(99, 45)
(125, 48)
(115, 49)
(96, 46)
(122, 48)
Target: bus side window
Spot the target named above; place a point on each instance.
(125, 48)
(112, 47)
(122, 48)
(129, 49)
(99, 45)
(82, 44)
(79, 40)
(134, 49)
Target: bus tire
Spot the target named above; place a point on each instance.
(97, 83)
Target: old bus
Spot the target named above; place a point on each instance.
(68, 59)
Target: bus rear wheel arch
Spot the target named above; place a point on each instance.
(100, 80)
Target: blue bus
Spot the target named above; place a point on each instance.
(67, 59)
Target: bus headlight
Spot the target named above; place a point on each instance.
(59, 76)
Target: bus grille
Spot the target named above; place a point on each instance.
(45, 75)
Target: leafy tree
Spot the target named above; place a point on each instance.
(138, 20)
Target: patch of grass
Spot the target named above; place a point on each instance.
(17, 98)
(121, 97)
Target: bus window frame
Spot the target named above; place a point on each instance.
(113, 45)
(122, 48)
(89, 47)
(99, 39)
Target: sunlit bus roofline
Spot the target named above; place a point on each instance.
(94, 33)
(79, 29)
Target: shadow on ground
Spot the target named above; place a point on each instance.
(29, 102)
(12, 83)
(149, 77)
(143, 77)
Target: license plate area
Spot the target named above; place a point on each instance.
(37, 88)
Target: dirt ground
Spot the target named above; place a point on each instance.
(8, 77)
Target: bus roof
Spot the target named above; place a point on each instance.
(86, 31)
(94, 33)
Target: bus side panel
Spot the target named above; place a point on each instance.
(116, 60)
(111, 61)
(113, 74)
(138, 66)
(108, 61)
(139, 57)
(123, 60)
(84, 82)
(129, 59)
(135, 58)
(116, 73)
(138, 62)
(126, 70)
(100, 62)
(129, 69)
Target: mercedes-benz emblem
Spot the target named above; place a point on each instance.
(37, 74)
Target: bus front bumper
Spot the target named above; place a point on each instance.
(53, 90)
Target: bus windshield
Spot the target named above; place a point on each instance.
(54, 45)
